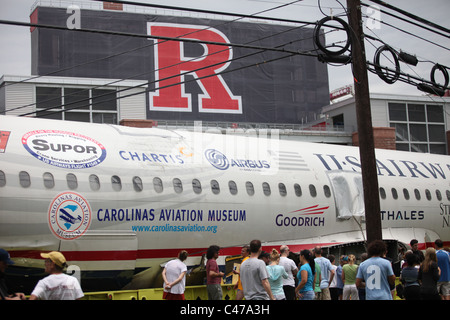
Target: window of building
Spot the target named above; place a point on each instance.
(158, 185)
(77, 104)
(250, 188)
(197, 186)
(94, 182)
(72, 181)
(215, 188)
(49, 181)
(137, 184)
(418, 127)
(116, 183)
(24, 178)
(266, 188)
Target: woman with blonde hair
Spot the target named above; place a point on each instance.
(429, 274)
(349, 271)
(276, 275)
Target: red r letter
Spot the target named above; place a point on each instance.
(171, 62)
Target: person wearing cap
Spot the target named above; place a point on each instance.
(57, 285)
(5, 261)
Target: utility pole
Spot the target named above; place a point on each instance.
(364, 119)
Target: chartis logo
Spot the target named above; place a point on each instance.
(69, 216)
(218, 160)
(64, 149)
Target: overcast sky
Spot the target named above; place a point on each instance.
(15, 55)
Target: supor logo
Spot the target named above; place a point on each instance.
(64, 149)
(217, 159)
(69, 216)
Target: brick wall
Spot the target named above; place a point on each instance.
(384, 138)
(138, 123)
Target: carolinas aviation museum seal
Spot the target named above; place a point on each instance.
(69, 216)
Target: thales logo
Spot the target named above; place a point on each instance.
(219, 161)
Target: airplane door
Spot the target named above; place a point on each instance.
(348, 194)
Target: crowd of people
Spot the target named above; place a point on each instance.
(274, 276)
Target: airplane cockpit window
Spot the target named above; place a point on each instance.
(233, 187)
(72, 181)
(49, 181)
(215, 188)
(2, 179)
(24, 179)
(312, 190)
(382, 193)
(266, 188)
(177, 185)
(137, 184)
(327, 191)
(282, 189)
(394, 193)
(94, 182)
(116, 183)
(158, 185)
(417, 194)
(298, 190)
(438, 195)
(196, 186)
(250, 188)
(406, 194)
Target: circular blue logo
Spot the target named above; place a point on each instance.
(217, 159)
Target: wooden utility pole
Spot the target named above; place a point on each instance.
(364, 118)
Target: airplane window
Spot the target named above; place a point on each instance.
(327, 191)
(177, 185)
(197, 186)
(266, 188)
(250, 188)
(215, 188)
(312, 190)
(282, 189)
(382, 193)
(298, 190)
(438, 195)
(417, 194)
(94, 182)
(137, 184)
(2, 179)
(24, 178)
(394, 193)
(448, 195)
(158, 185)
(428, 194)
(233, 187)
(72, 181)
(49, 181)
(406, 194)
(116, 183)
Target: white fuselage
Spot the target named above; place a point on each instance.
(116, 198)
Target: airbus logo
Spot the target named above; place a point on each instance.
(217, 159)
